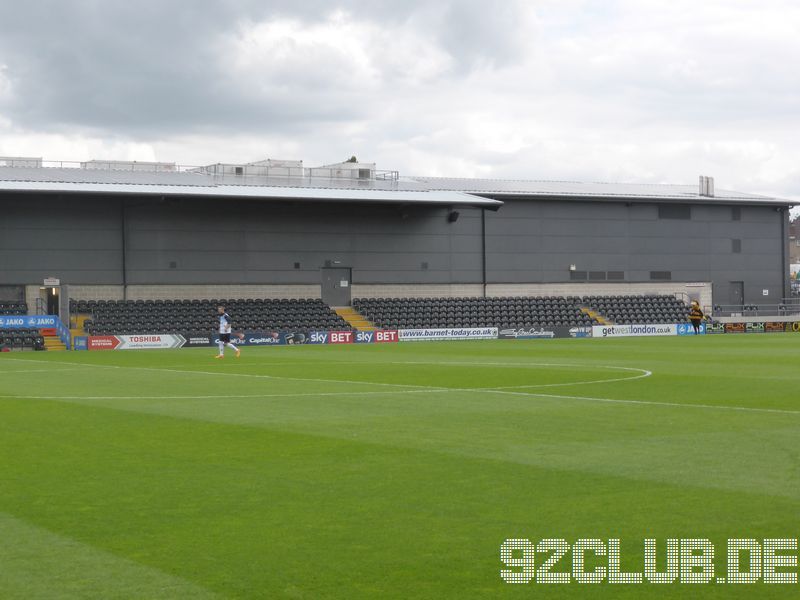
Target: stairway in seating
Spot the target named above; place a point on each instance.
(52, 342)
(354, 318)
(595, 315)
(78, 325)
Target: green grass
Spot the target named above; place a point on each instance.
(392, 471)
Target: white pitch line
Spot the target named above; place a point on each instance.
(645, 373)
(37, 371)
(55, 362)
(250, 375)
(423, 388)
(643, 402)
(225, 396)
(512, 364)
(642, 373)
(191, 372)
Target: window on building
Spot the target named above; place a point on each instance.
(674, 211)
(736, 246)
(661, 275)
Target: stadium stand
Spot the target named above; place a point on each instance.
(550, 311)
(421, 313)
(21, 339)
(109, 317)
(636, 310)
(13, 308)
(171, 316)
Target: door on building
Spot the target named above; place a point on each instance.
(736, 295)
(50, 299)
(336, 286)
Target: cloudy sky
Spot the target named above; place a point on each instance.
(600, 90)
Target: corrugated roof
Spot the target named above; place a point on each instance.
(642, 191)
(425, 190)
(91, 181)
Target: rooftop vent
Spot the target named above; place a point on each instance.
(129, 165)
(260, 168)
(706, 186)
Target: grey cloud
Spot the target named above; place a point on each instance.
(486, 33)
(135, 68)
(151, 68)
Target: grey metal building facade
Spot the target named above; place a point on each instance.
(89, 230)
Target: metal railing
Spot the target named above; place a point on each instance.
(786, 308)
(220, 169)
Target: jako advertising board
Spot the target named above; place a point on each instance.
(688, 329)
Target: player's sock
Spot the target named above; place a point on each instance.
(221, 348)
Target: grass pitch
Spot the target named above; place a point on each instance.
(391, 471)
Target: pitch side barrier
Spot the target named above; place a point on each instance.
(251, 338)
(384, 336)
(41, 322)
(754, 327)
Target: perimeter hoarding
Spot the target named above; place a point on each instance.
(543, 333)
(251, 338)
(754, 327)
(606, 331)
(136, 342)
(48, 324)
(29, 322)
(379, 336)
(451, 333)
(688, 329)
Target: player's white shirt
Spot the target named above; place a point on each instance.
(224, 323)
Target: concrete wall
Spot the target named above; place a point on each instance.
(278, 248)
(190, 292)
